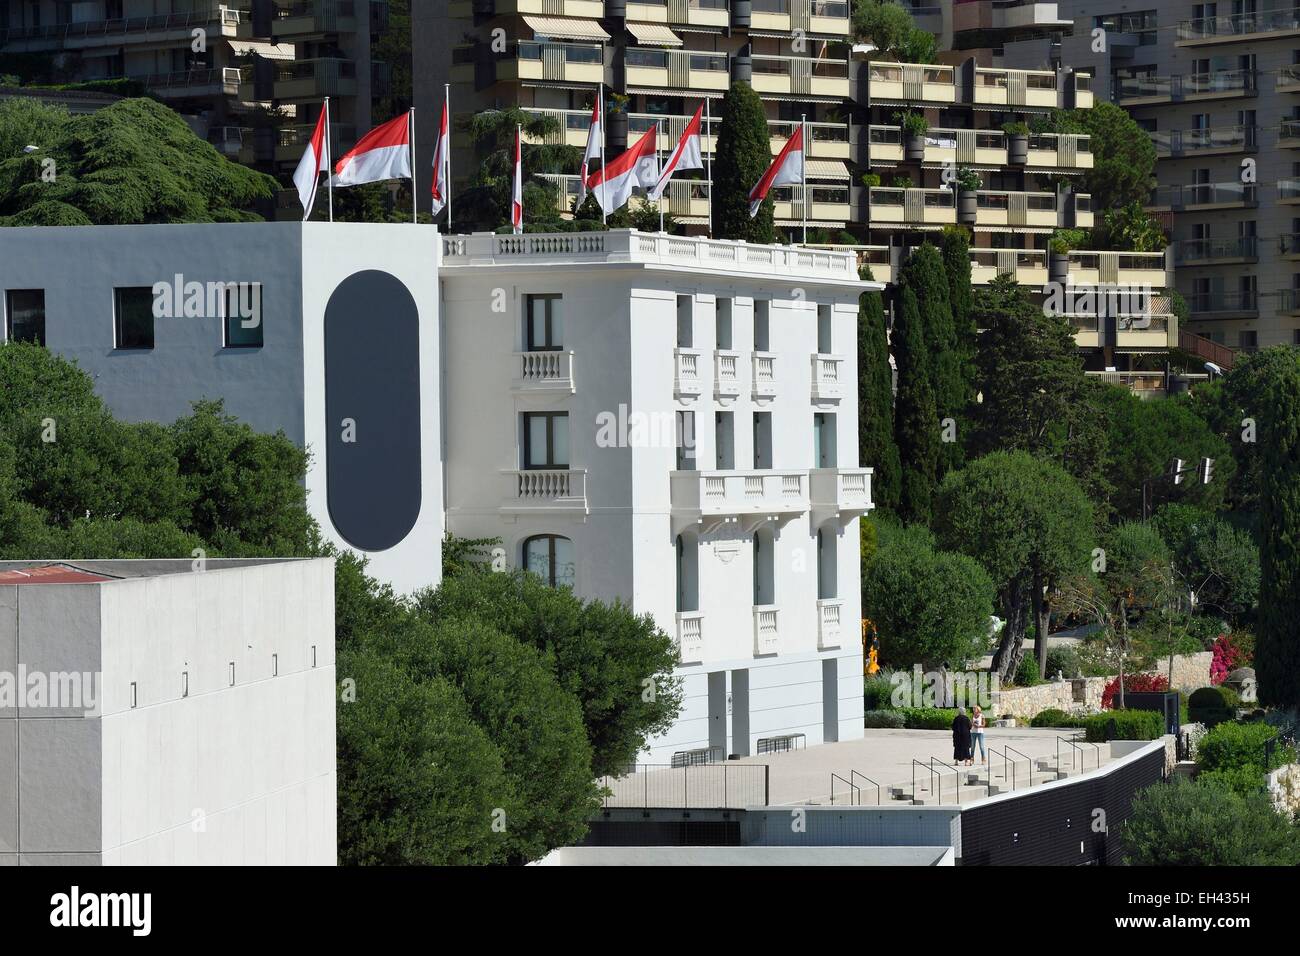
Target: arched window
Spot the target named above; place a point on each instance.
(550, 557)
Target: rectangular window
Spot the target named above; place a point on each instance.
(762, 440)
(762, 310)
(25, 315)
(133, 318)
(546, 439)
(824, 329)
(1248, 341)
(685, 441)
(685, 323)
(545, 323)
(724, 439)
(723, 323)
(242, 316)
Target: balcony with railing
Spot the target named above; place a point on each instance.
(548, 60)
(217, 20)
(579, 9)
(825, 140)
(1286, 79)
(1001, 208)
(313, 79)
(1219, 304)
(1288, 134)
(1223, 251)
(301, 19)
(819, 202)
(690, 636)
(182, 84)
(701, 13)
(985, 147)
(710, 499)
(767, 634)
(572, 127)
(814, 16)
(1210, 141)
(1030, 88)
(1240, 28)
(1288, 191)
(1288, 245)
(544, 372)
(1142, 384)
(726, 374)
(676, 69)
(688, 369)
(1203, 197)
(545, 491)
(911, 83)
(800, 75)
(1088, 267)
(1288, 302)
(764, 375)
(828, 378)
(1178, 88)
(1027, 266)
(888, 205)
(839, 493)
(830, 624)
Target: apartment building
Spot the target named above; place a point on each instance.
(1217, 86)
(673, 422)
(984, 24)
(249, 75)
(325, 331)
(657, 60)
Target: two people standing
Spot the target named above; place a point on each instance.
(966, 733)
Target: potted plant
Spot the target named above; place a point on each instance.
(967, 183)
(1017, 143)
(1058, 257)
(616, 116)
(901, 182)
(870, 180)
(914, 127)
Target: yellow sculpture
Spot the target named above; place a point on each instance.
(870, 648)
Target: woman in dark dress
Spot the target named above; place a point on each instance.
(961, 736)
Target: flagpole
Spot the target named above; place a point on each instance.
(446, 160)
(415, 193)
(604, 121)
(329, 156)
(803, 172)
(708, 127)
(660, 201)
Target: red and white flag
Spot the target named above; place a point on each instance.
(383, 153)
(595, 136)
(314, 162)
(687, 155)
(517, 193)
(786, 170)
(638, 166)
(441, 165)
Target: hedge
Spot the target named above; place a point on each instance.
(1055, 717)
(891, 719)
(1212, 705)
(1128, 725)
(878, 693)
(1231, 746)
(928, 718)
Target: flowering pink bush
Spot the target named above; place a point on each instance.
(1134, 684)
(1228, 656)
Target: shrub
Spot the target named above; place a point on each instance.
(891, 719)
(1212, 705)
(1027, 672)
(1055, 717)
(1233, 746)
(928, 718)
(1197, 824)
(1134, 684)
(877, 693)
(1063, 660)
(1228, 656)
(1240, 780)
(1124, 725)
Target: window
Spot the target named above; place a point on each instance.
(824, 440)
(685, 441)
(762, 440)
(545, 323)
(688, 573)
(764, 568)
(546, 439)
(724, 439)
(133, 318)
(242, 311)
(550, 557)
(1247, 341)
(827, 544)
(1295, 337)
(25, 315)
(723, 323)
(762, 309)
(824, 329)
(685, 323)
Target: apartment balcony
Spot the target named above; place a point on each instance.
(1033, 89)
(910, 84)
(1288, 302)
(314, 79)
(581, 9)
(1286, 79)
(217, 20)
(875, 258)
(917, 208)
(1223, 305)
(573, 126)
(1288, 246)
(1145, 269)
(558, 62)
(1033, 210)
(675, 69)
(1203, 197)
(1239, 250)
(830, 632)
(287, 144)
(1288, 134)
(1151, 330)
(545, 492)
(1212, 141)
(186, 84)
(1242, 28)
(811, 16)
(1193, 87)
(828, 378)
(687, 380)
(726, 375)
(1288, 191)
(839, 493)
(304, 19)
(688, 199)
(767, 635)
(764, 376)
(690, 636)
(711, 499)
(544, 373)
(1027, 266)
(821, 204)
(800, 76)
(985, 147)
(700, 13)
(1145, 385)
(825, 140)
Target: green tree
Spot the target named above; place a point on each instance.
(876, 448)
(916, 422)
(890, 28)
(930, 607)
(743, 155)
(925, 275)
(1196, 824)
(1129, 229)
(1124, 158)
(1029, 524)
(602, 654)
(135, 161)
(955, 248)
(1214, 560)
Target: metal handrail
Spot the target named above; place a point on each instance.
(1077, 749)
(1009, 748)
(1006, 764)
(854, 773)
(849, 783)
(956, 772)
(916, 762)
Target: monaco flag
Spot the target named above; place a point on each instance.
(441, 165)
(687, 155)
(517, 192)
(314, 162)
(383, 153)
(785, 170)
(595, 136)
(638, 166)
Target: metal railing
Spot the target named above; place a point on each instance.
(783, 743)
(720, 786)
(956, 778)
(1076, 751)
(1241, 24)
(1007, 748)
(1199, 250)
(119, 26)
(855, 795)
(854, 774)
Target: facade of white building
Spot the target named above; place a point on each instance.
(673, 422)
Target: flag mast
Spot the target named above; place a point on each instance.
(446, 160)
(803, 172)
(660, 201)
(415, 193)
(600, 92)
(708, 125)
(329, 156)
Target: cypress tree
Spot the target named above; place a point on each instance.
(924, 273)
(915, 422)
(961, 297)
(876, 448)
(1277, 648)
(743, 155)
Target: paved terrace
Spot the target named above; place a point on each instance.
(882, 756)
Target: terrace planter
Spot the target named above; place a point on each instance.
(617, 132)
(913, 147)
(1058, 268)
(967, 206)
(1018, 149)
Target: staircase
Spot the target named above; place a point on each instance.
(1204, 348)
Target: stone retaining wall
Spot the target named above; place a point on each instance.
(1083, 694)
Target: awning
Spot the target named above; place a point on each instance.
(566, 29)
(688, 94)
(826, 169)
(654, 34)
(800, 98)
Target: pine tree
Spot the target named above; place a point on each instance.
(916, 429)
(743, 155)
(876, 448)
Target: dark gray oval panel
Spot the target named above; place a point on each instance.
(372, 378)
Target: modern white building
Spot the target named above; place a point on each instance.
(152, 713)
(672, 422)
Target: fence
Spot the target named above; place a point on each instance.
(710, 786)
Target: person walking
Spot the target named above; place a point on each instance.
(961, 737)
(977, 724)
